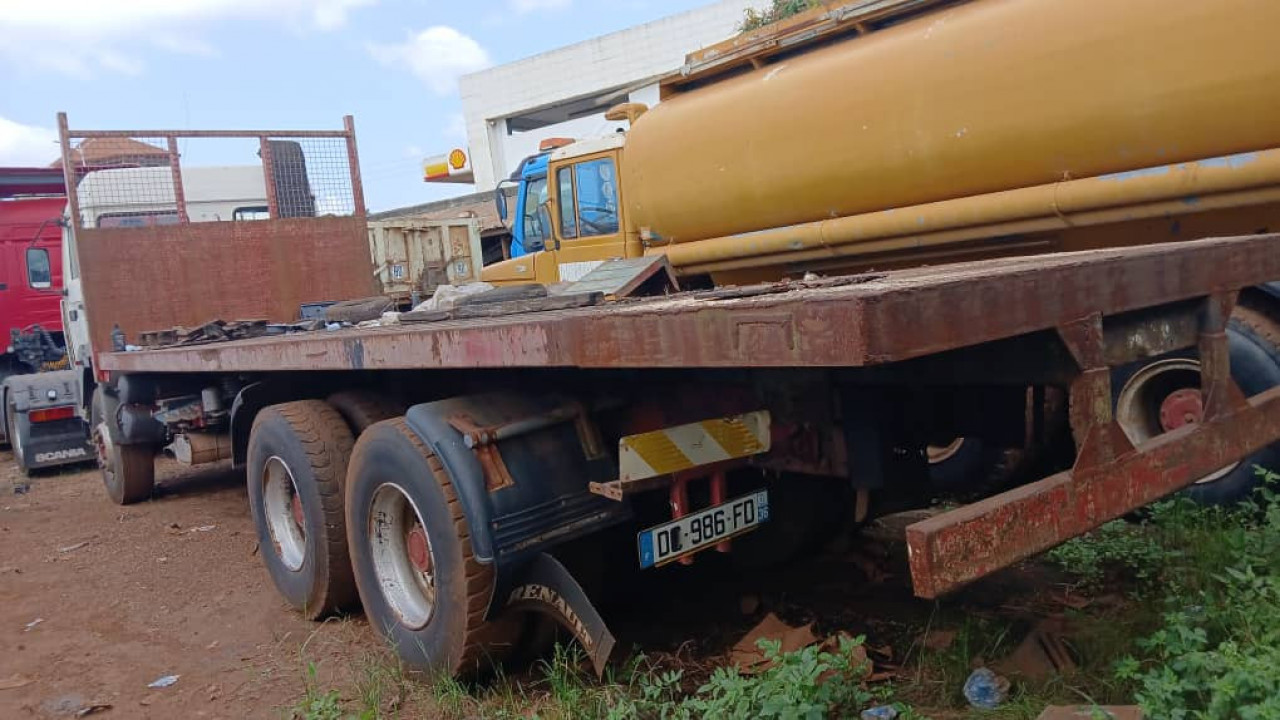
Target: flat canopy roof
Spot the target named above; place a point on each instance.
(853, 321)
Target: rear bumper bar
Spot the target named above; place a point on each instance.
(1111, 476)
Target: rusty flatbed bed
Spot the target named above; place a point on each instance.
(851, 322)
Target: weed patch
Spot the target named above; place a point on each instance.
(1216, 655)
(1182, 617)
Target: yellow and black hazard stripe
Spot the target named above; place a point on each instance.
(670, 450)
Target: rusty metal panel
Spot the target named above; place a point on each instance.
(957, 547)
(850, 322)
(157, 277)
(413, 254)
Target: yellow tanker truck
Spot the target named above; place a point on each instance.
(882, 134)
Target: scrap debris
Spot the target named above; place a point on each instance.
(612, 280)
(748, 656)
(213, 331)
(985, 689)
(164, 682)
(1043, 653)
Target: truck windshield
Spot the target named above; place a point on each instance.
(535, 235)
(597, 197)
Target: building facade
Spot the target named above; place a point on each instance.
(509, 109)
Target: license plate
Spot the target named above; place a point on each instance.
(663, 543)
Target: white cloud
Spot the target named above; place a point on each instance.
(26, 144)
(527, 6)
(413, 151)
(82, 36)
(437, 56)
(455, 127)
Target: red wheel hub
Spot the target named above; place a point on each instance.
(1181, 407)
(419, 552)
(296, 506)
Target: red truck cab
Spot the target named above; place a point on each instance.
(38, 398)
(30, 269)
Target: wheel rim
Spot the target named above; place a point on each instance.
(283, 510)
(1162, 397)
(942, 453)
(403, 559)
(104, 448)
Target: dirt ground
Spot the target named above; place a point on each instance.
(98, 601)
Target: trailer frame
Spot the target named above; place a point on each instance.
(1065, 319)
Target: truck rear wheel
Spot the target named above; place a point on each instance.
(958, 463)
(421, 586)
(1161, 395)
(297, 465)
(128, 471)
(11, 432)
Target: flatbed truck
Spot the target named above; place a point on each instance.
(438, 474)
(689, 419)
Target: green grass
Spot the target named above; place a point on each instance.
(753, 19)
(1184, 620)
(316, 704)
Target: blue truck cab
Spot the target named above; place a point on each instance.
(529, 225)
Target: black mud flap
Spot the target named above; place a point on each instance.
(545, 586)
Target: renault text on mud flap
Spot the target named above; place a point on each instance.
(535, 592)
(68, 454)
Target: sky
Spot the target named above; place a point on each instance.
(279, 64)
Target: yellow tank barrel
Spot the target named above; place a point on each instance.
(1232, 181)
(990, 104)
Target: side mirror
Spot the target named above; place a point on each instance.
(500, 199)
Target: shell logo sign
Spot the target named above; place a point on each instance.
(451, 167)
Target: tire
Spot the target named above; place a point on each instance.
(11, 433)
(362, 408)
(436, 623)
(964, 462)
(976, 470)
(1254, 346)
(128, 471)
(297, 464)
(5, 372)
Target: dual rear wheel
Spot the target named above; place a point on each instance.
(375, 522)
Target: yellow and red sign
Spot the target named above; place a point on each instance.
(451, 167)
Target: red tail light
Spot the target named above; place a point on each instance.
(51, 414)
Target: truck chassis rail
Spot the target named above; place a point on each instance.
(1093, 311)
(854, 321)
